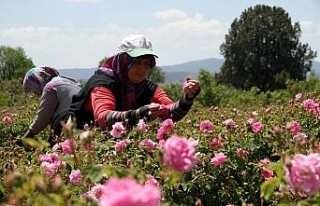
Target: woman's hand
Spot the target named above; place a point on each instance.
(154, 111)
(191, 87)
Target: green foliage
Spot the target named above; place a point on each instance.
(174, 90)
(14, 63)
(239, 181)
(262, 49)
(12, 94)
(156, 75)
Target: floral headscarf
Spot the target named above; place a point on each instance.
(37, 77)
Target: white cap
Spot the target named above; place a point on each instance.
(136, 45)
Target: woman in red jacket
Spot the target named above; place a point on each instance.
(119, 91)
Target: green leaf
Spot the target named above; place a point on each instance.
(268, 187)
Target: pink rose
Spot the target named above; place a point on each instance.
(147, 144)
(257, 127)
(180, 153)
(215, 143)
(303, 173)
(127, 191)
(229, 123)
(294, 127)
(218, 159)
(122, 145)
(68, 146)
(298, 96)
(7, 120)
(142, 126)
(117, 129)
(206, 125)
(300, 137)
(75, 177)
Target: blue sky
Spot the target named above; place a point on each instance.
(79, 33)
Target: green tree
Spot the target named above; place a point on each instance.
(156, 74)
(14, 63)
(262, 49)
(207, 96)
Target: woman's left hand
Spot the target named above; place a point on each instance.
(191, 87)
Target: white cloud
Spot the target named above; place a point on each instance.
(172, 14)
(177, 41)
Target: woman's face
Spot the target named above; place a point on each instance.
(140, 69)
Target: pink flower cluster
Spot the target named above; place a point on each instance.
(303, 173)
(127, 191)
(50, 164)
(180, 154)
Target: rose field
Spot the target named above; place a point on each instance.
(250, 148)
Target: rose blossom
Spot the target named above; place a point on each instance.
(300, 137)
(294, 127)
(206, 125)
(218, 159)
(298, 96)
(257, 127)
(75, 177)
(142, 126)
(7, 120)
(127, 191)
(148, 144)
(215, 143)
(117, 129)
(121, 145)
(68, 146)
(180, 153)
(303, 173)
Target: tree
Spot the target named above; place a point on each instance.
(207, 96)
(156, 74)
(262, 49)
(13, 63)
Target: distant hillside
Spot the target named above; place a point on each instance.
(173, 73)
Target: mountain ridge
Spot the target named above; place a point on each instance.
(173, 73)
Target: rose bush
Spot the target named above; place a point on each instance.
(214, 156)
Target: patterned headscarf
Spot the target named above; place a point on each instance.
(119, 66)
(36, 79)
